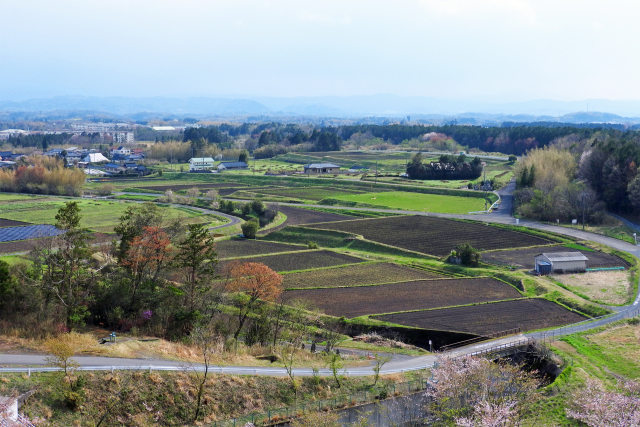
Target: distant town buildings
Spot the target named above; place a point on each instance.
(93, 158)
(8, 133)
(123, 137)
(120, 151)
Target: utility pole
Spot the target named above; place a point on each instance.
(583, 209)
(376, 173)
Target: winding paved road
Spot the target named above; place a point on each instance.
(21, 362)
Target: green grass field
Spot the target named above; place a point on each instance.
(10, 197)
(97, 215)
(13, 259)
(418, 201)
(139, 197)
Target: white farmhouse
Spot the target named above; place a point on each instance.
(199, 164)
(121, 151)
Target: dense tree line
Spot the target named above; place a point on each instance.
(509, 140)
(211, 134)
(550, 189)
(42, 141)
(577, 176)
(610, 166)
(42, 175)
(448, 167)
(286, 138)
(248, 211)
(144, 133)
(160, 277)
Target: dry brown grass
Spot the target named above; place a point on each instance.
(624, 339)
(610, 287)
(156, 348)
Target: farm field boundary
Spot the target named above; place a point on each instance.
(223, 180)
(339, 240)
(432, 235)
(483, 319)
(365, 300)
(301, 260)
(233, 248)
(362, 274)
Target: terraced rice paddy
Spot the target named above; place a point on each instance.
(97, 215)
(238, 248)
(434, 236)
(11, 223)
(418, 201)
(484, 319)
(300, 260)
(183, 187)
(354, 275)
(297, 216)
(361, 300)
(307, 193)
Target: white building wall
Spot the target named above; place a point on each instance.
(568, 266)
(200, 166)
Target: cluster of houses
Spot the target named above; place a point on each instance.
(8, 159)
(123, 161)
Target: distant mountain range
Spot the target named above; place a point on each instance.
(421, 109)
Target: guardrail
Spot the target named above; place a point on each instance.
(492, 207)
(550, 336)
(501, 347)
(480, 338)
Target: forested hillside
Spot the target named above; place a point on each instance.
(581, 176)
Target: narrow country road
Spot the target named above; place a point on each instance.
(29, 362)
(233, 220)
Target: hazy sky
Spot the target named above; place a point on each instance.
(483, 49)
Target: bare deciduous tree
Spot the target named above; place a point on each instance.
(208, 342)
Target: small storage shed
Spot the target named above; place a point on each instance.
(232, 165)
(560, 262)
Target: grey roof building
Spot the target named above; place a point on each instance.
(321, 168)
(232, 165)
(560, 262)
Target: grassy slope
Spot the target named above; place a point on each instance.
(605, 354)
(166, 398)
(98, 215)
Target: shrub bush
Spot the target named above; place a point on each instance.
(250, 228)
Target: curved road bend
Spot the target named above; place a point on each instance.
(233, 220)
(396, 365)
